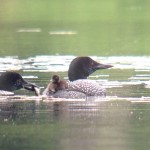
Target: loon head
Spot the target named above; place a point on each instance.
(56, 85)
(55, 79)
(82, 67)
(11, 81)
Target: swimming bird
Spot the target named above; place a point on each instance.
(11, 81)
(78, 86)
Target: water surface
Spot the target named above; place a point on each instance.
(40, 38)
(103, 28)
(119, 121)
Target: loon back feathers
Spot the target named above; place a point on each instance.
(69, 94)
(77, 89)
(88, 87)
(82, 67)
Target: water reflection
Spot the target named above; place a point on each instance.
(73, 125)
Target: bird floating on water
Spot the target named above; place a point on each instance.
(11, 81)
(78, 85)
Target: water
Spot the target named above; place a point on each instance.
(103, 28)
(128, 78)
(40, 38)
(75, 125)
(119, 121)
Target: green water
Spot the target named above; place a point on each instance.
(105, 27)
(75, 125)
(76, 27)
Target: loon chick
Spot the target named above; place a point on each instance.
(55, 85)
(11, 81)
(78, 87)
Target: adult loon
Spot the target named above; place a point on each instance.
(11, 81)
(78, 86)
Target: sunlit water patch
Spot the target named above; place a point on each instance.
(29, 30)
(51, 63)
(63, 33)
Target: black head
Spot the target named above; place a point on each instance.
(82, 67)
(10, 81)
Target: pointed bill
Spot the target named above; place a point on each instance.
(102, 66)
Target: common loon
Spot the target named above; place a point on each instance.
(11, 81)
(78, 86)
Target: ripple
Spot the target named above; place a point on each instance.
(61, 63)
(90, 102)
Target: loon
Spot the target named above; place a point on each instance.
(78, 87)
(11, 81)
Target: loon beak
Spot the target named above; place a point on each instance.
(31, 87)
(102, 66)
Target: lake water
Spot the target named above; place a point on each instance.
(40, 38)
(119, 121)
